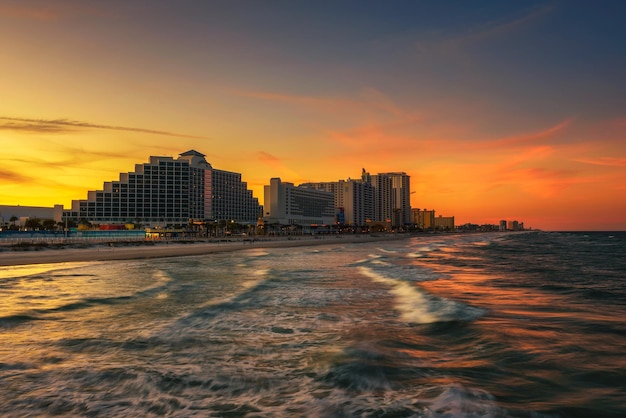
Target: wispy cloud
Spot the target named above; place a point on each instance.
(13, 176)
(525, 138)
(266, 157)
(366, 100)
(481, 32)
(67, 126)
(604, 161)
(500, 28)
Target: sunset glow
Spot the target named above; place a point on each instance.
(497, 110)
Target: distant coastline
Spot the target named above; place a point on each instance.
(108, 251)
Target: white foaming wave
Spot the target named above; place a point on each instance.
(459, 401)
(160, 278)
(415, 255)
(418, 307)
(258, 276)
(367, 260)
(386, 251)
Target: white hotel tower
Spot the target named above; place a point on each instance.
(287, 204)
(168, 191)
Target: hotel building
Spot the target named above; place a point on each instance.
(423, 219)
(167, 191)
(383, 197)
(392, 197)
(354, 200)
(287, 204)
(444, 223)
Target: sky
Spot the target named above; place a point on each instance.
(497, 110)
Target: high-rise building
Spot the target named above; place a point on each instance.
(357, 202)
(400, 198)
(392, 197)
(287, 204)
(354, 200)
(168, 191)
(383, 208)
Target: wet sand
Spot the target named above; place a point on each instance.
(105, 252)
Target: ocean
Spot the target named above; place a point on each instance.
(447, 325)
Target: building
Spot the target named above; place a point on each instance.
(444, 223)
(423, 219)
(167, 191)
(513, 226)
(357, 202)
(20, 214)
(400, 198)
(383, 208)
(353, 200)
(392, 197)
(286, 204)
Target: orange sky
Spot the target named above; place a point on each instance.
(508, 111)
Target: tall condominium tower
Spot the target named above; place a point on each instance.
(354, 200)
(383, 208)
(400, 198)
(168, 191)
(392, 197)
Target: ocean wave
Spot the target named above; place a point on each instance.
(458, 401)
(418, 307)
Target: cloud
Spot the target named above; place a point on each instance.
(68, 126)
(497, 29)
(480, 33)
(526, 138)
(14, 177)
(267, 157)
(368, 100)
(604, 161)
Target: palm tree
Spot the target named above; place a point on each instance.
(12, 220)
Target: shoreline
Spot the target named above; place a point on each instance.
(148, 250)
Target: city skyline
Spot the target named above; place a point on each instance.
(496, 110)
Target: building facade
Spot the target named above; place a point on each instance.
(20, 214)
(392, 197)
(286, 204)
(167, 191)
(423, 219)
(400, 198)
(353, 200)
(444, 223)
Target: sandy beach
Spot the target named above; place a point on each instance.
(172, 249)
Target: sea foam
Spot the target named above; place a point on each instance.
(418, 307)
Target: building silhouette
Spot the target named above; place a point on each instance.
(354, 200)
(167, 191)
(286, 204)
(380, 198)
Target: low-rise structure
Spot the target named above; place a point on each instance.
(444, 223)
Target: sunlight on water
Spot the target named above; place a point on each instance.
(35, 269)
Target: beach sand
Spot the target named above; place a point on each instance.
(105, 252)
